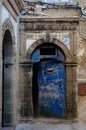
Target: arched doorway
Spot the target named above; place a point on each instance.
(7, 83)
(37, 54)
(48, 81)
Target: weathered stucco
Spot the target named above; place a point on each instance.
(70, 29)
(47, 25)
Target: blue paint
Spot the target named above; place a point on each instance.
(51, 83)
(51, 80)
(37, 57)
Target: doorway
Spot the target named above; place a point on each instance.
(7, 82)
(35, 90)
(49, 82)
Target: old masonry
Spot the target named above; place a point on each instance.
(42, 61)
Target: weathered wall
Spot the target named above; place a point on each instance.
(81, 2)
(81, 44)
(0, 65)
(7, 15)
(24, 46)
(81, 56)
(81, 76)
(9, 20)
(32, 29)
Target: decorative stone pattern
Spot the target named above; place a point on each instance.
(7, 25)
(59, 26)
(63, 37)
(34, 31)
(54, 41)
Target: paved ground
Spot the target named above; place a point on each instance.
(41, 125)
(8, 128)
(74, 126)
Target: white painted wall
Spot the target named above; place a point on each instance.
(5, 15)
(52, 1)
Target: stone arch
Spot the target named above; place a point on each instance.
(7, 25)
(70, 66)
(54, 41)
(8, 73)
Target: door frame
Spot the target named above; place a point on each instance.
(70, 65)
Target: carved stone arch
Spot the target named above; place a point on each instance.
(64, 49)
(70, 71)
(8, 81)
(54, 41)
(7, 25)
(28, 72)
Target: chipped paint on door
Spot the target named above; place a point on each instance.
(51, 83)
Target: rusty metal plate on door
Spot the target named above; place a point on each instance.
(82, 89)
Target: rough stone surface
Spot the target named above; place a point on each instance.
(77, 43)
(82, 107)
(70, 63)
(62, 126)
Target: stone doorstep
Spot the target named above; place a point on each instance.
(48, 121)
(43, 121)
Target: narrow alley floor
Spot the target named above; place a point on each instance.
(52, 125)
(67, 126)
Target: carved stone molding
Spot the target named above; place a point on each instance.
(54, 26)
(7, 25)
(54, 41)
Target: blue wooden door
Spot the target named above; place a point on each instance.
(51, 83)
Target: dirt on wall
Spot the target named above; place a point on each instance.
(82, 108)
